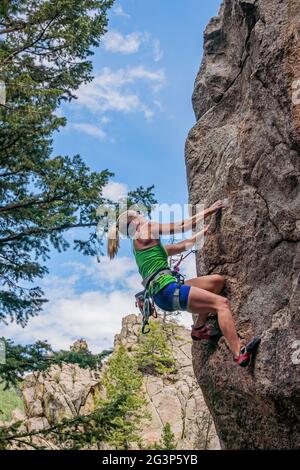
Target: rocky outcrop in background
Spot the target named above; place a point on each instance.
(67, 391)
(245, 146)
(176, 400)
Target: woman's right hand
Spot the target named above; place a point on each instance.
(216, 206)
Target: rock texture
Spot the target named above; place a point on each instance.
(61, 392)
(245, 146)
(68, 391)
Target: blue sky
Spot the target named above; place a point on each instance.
(132, 119)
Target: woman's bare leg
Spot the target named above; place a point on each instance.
(202, 302)
(213, 283)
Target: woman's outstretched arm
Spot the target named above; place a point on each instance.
(158, 229)
(184, 245)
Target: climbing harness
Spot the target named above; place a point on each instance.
(144, 300)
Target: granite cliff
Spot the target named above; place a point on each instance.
(245, 146)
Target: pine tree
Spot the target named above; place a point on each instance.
(38, 357)
(153, 354)
(115, 419)
(45, 50)
(168, 438)
(123, 379)
(80, 432)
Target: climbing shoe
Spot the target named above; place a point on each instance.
(198, 334)
(210, 330)
(246, 352)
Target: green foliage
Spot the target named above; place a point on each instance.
(153, 354)
(40, 356)
(167, 441)
(105, 424)
(122, 378)
(118, 416)
(142, 198)
(44, 52)
(10, 399)
(168, 438)
(70, 434)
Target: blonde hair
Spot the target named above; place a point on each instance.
(113, 237)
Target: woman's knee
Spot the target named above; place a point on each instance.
(223, 303)
(219, 282)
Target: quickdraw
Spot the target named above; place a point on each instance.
(147, 308)
(176, 268)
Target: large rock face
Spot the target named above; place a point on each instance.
(245, 146)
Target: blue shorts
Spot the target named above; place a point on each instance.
(164, 298)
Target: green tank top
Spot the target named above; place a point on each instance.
(151, 260)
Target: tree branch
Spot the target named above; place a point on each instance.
(39, 231)
(13, 142)
(27, 46)
(33, 202)
(12, 29)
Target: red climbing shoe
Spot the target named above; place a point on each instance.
(210, 330)
(247, 352)
(198, 334)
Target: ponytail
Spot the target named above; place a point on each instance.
(113, 241)
(122, 226)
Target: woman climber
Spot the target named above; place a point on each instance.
(200, 295)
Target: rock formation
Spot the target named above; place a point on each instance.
(60, 392)
(176, 400)
(69, 391)
(245, 146)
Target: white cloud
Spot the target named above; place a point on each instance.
(89, 129)
(94, 315)
(114, 191)
(157, 52)
(114, 41)
(116, 274)
(188, 267)
(104, 120)
(141, 72)
(118, 11)
(159, 104)
(111, 90)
